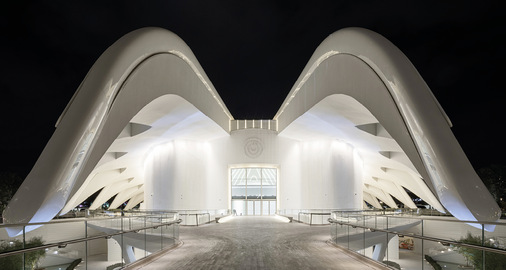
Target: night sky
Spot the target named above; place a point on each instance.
(253, 52)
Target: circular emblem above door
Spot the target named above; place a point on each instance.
(253, 147)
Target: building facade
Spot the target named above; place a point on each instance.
(147, 126)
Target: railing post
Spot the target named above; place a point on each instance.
(423, 251)
(86, 244)
(121, 238)
(24, 245)
(386, 244)
(145, 237)
(161, 231)
(336, 232)
(483, 244)
(363, 224)
(348, 232)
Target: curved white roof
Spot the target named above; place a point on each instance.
(403, 104)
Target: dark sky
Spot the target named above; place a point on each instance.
(253, 52)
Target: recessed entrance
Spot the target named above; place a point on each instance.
(254, 190)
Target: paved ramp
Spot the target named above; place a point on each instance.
(257, 243)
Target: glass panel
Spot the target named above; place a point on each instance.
(239, 206)
(269, 177)
(12, 262)
(254, 176)
(57, 232)
(168, 239)
(153, 238)
(238, 192)
(257, 208)
(272, 207)
(494, 236)
(269, 192)
(356, 239)
(250, 208)
(175, 231)
(238, 177)
(342, 235)
(100, 254)
(265, 208)
(56, 257)
(254, 192)
(495, 260)
(238, 183)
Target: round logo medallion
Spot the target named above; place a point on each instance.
(253, 147)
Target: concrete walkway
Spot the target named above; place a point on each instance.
(257, 243)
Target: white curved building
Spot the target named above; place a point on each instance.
(146, 125)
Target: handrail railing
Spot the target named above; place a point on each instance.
(311, 216)
(197, 217)
(369, 232)
(109, 233)
(78, 240)
(412, 211)
(427, 218)
(295, 214)
(201, 216)
(59, 221)
(434, 239)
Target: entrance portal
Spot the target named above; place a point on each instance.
(254, 191)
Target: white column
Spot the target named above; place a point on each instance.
(393, 248)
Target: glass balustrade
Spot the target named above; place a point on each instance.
(406, 240)
(307, 216)
(110, 239)
(101, 240)
(200, 217)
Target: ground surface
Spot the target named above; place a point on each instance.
(257, 243)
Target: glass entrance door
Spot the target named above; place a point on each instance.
(254, 191)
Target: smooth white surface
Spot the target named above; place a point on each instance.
(366, 66)
(140, 67)
(386, 168)
(193, 175)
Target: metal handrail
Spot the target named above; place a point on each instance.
(193, 211)
(311, 215)
(434, 239)
(59, 221)
(197, 217)
(437, 219)
(78, 240)
(412, 211)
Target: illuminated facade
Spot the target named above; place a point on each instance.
(147, 126)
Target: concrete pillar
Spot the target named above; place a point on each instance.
(393, 248)
(379, 252)
(113, 250)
